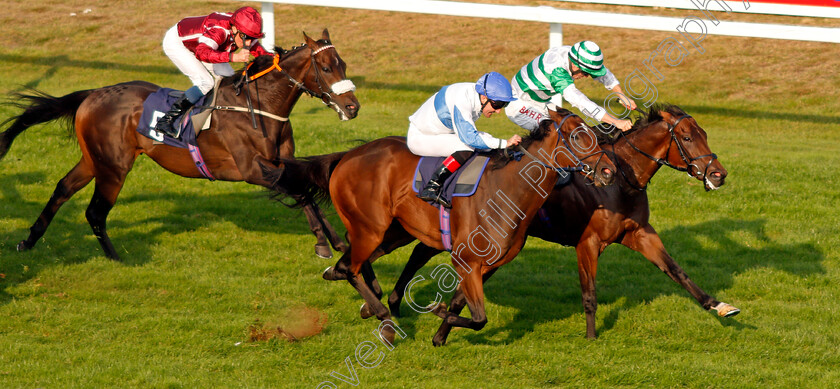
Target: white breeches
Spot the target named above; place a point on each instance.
(202, 74)
(527, 113)
(434, 145)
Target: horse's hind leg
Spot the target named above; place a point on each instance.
(335, 240)
(96, 213)
(76, 179)
(420, 256)
(322, 247)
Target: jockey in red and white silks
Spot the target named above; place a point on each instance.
(444, 126)
(544, 82)
(202, 47)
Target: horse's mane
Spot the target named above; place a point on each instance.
(607, 134)
(499, 158)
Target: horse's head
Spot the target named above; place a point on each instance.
(576, 142)
(326, 77)
(689, 149)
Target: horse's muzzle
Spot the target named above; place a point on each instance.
(714, 179)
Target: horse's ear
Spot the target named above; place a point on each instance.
(326, 35)
(309, 41)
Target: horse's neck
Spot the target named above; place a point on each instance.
(296, 66)
(637, 165)
(528, 182)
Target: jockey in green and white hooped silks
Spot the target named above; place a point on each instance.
(543, 83)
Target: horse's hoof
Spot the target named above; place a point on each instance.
(341, 247)
(438, 309)
(22, 246)
(364, 311)
(328, 274)
(388, 334)
(323, 251)
(726, 310)
(438, 341)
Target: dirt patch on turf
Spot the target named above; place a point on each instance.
(294, 324)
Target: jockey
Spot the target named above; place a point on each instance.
(543, 83)
(201, 48)
(444, 126)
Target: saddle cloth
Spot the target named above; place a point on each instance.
(461, 184)
(155, 106)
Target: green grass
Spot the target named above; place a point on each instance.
(204, 262)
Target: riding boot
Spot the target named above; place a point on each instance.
(432, 191)
(166, 124)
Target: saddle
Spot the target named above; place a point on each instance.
(196, 120)
(158, 103)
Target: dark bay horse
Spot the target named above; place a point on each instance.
(105, 120)
(591, 218)
(371, 191)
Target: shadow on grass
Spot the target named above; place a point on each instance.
(60, 61)
(543, 284)
(68, 241)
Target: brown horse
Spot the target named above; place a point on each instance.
(371, 191)
(591, 218)
(105, 120)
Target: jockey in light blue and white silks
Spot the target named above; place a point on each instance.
(445, 123)
(444, 126)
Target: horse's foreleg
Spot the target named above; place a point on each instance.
(75, 180)
(456, 305)
(420, 256)
(472, 287)
(647, 242)
(588, 251)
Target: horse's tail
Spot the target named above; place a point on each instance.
(41, 108)
(306, 180)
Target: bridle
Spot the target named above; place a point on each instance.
(689, 161)
(327, 96)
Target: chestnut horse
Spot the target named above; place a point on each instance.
(105, 120)
(371, 190)
(591, 218)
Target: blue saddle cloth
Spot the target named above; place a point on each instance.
(463, 183)
(155, 106)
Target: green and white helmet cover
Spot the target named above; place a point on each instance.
(588, 57)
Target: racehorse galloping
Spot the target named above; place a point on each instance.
(591, 218)
(105, 120)
(371, 191)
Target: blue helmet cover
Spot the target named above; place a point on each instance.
(495, 86)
